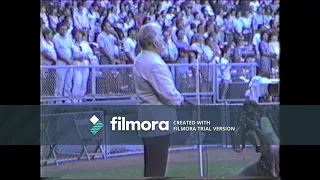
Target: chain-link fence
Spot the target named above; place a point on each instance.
(116, 81)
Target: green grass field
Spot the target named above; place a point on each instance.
(221, 169)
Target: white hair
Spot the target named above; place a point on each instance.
(149, 33)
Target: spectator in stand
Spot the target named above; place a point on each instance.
(224, 71)
(93, 17)
(64, 48)
(254, 4)
(247, 26)
(107, 41)
(266, 54)
(169, 16)
(258, 18)
(43, 16)
(238, 25)
(257, 39)
(129, 21)
(130, 45)
(49, 55)
(191, 32)
(80, 18)
(81, 58)
(140, 15)
(170, 51)
(274, 48)
(113, 17)
(228, 31)
(53, 18)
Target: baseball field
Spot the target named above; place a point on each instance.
(218, 162)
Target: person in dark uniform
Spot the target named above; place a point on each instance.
(260, 130)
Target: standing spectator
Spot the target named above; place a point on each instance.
(43, 16)
(113, 17)
(53, 18)
(107, 41)
(257, 39)
(266, 54)
(81, 58)
(267, 17)
(274, 48)
(130, 45)
(238, 25)
(129, 21)
(169, 16)
(170, 51)
(258, 18)
(184, 50)
(208, 7)
(140, 16)
(93, 17)
(80, 18)
(224, 71)
(209, 28)
(254, 4)
(64, 48)
(191, 32)
(228, 32)
(49, 55)
(247, 26)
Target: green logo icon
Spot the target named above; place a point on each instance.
(97, 125)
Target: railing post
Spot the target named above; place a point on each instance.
(94, 81)
(173, 72)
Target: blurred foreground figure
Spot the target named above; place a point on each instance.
(256, 126)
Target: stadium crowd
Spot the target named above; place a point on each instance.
(83, 32)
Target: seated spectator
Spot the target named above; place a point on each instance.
(169, 16)
(198, 47)
(238, 25)
(228, 29)
(209, 29)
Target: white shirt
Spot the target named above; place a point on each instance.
(48, 48)
(256, 39)
(258, 87)
(275, 47)
(237, 25)
(108, 41)
(63, 46)
(44, 19)
(129, 46)
(254, 5)
(247, 22)
(219, 21)
(128, 25)
(208, 51)
(80, 20)
(224, 71)
(54, 20)
(168, 19)
(92, 18)
(174, 35)
(171, 50)
(113, 18)
(165, 5)
(86, 50)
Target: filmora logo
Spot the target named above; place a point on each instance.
(121, 124)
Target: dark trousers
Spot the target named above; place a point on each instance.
(156, 156)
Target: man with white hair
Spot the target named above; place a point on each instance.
(154, 86)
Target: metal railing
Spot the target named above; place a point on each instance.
(116, 81)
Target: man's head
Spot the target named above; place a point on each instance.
(62, 28)
(47, 34)
(132, 32)
(150, 37)
(106, 26)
